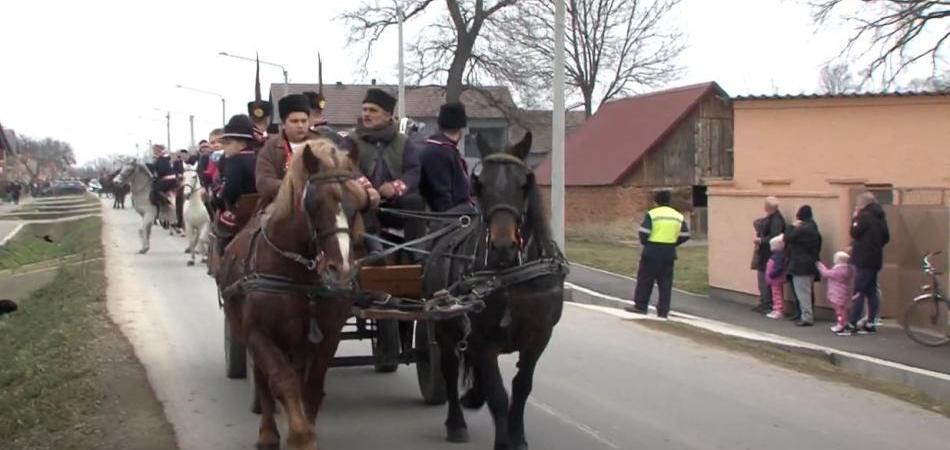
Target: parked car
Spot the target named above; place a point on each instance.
(69, 187)
(94, 186)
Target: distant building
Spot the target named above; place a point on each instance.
(672, 139)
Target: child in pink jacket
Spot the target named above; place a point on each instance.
(840, 289)
(775, 272)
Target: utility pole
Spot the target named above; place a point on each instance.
(557, 146)
(168, 130)
(223, 120)
(402, 68)
(191, 122)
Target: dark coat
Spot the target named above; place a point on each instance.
(443, 180)
(162, 167)
(237, 178)
(202, 167)
(772, 225)
(803, 244)
(869, 235)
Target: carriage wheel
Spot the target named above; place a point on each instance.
(235, 355)
(386, 346)
(428, 365)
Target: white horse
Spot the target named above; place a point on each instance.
(195, 215)
(139, 179)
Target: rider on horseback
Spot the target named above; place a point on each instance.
(164, 177)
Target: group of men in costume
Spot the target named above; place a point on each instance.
(244, 158)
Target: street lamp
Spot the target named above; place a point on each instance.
(202, 91)
(286, 78)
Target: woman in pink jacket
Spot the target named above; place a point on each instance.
(840, 290)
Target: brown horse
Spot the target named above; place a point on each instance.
(298, 245)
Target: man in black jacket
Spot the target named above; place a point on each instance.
(869, 235)
(768, 227)
(803, 242)
(443, 180)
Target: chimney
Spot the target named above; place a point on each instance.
(373, 82)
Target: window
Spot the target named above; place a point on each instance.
(699, 197)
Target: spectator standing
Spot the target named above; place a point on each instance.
(768, 227)
(803, 242)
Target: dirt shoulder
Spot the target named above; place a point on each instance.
(70, 378)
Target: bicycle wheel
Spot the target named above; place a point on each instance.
(927, 321)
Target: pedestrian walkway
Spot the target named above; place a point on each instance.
(890, 343)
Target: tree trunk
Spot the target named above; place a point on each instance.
(588, 93)
(453, 84)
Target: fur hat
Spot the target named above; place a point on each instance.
(291, 104)
(842, 257)
(240, 126)
(452, 116)
(381, 98)
(777, 243)
(317, 101)
(259, 109)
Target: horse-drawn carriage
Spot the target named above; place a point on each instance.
(492, 283)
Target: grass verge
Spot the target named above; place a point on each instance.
(74, 237)
(799, 360)
(691, 273)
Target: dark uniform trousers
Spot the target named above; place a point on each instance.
(654, 271)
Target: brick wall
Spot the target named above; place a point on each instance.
(598, 204)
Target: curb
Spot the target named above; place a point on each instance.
(934, 384)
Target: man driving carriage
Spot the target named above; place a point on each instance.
(275, 156)
(389, 163)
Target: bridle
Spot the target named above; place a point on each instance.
(190, 187)
(339, 176)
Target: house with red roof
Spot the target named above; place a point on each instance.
(671, 139)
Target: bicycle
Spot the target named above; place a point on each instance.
(927, 319)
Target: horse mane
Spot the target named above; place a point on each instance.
(286, 203)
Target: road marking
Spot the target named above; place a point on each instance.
(607, 272)
(10, 235)
(594, 434)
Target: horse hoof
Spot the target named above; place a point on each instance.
(143, 251)
(190, 263)
(472, 400)
(187, 251)
(457, 435)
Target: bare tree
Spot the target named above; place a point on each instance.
(48, 155)
(613, 46)
(897, 32)
(444, 47)
(836, 79)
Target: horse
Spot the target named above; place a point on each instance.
(139, 178)
(196, 218)
(119, 192)
(509, 232)
(106, 184)
(285, 281)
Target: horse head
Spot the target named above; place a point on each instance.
(319, 184)
(503, 185)
(189, 182)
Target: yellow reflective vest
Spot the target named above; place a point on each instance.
(666, 225)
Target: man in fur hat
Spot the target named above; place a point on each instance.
(274, 158)
(389, 163)
(319, 127)
(444, 173)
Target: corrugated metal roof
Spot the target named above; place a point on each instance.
(617, 137)
(844, 95)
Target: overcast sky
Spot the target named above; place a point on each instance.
(93, 72)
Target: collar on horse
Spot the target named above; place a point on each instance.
(331, 176)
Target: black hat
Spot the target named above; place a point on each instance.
(452, 116)
(259, 109)
(317, 101)
(240, 126)
(662, 197)
(291, 104)
(381, 98)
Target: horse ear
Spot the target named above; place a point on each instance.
(523, 148)
(310, 161)
(483, 146)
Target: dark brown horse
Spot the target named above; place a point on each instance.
(509, 234)
(298, 246)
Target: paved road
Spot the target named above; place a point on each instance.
(890, 343)
(604, 384)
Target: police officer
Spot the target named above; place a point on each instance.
(662, 230)
(443, 180)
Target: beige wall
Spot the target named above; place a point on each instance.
(817, 152)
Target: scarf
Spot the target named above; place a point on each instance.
(384, 134)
